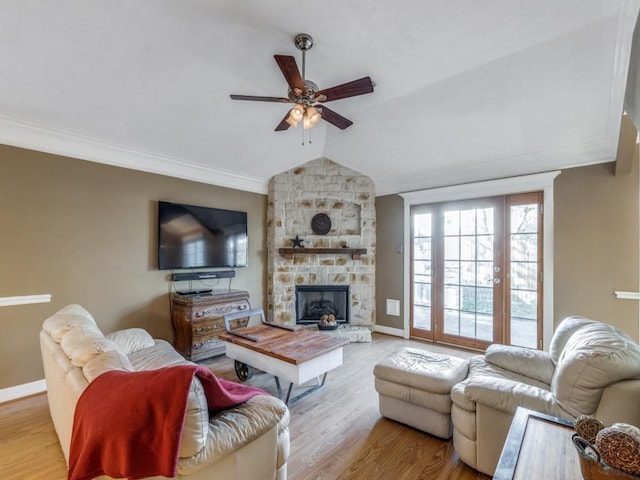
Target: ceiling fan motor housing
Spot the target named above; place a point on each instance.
(307, 96)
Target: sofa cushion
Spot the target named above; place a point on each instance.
(594, 356)
(234, 428)
(563, 333)
(64, 320)
(83, 342)
(525, 361)
(131, 340)
(111, 360)
(507, 395)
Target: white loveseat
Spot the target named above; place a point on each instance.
(247, 442)
(591, 368)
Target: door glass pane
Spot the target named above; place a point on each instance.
(468, 222)
(485, 247)
(422, 248)
(468, 273)
(485, 221)
(422, 270)
(452, 223)
(524, 275)
(451, 272)
(468, 247)
(451, 248)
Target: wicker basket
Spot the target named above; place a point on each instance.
(591, 466)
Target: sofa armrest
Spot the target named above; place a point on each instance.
(507, 395)
(619, 403)
(525, 361)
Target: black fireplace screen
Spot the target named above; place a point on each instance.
(314, 301)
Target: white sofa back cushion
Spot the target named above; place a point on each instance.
(132, 340)
(68, 317)
(525, 361)
(107, 361)
(563, 333)
(83, 342)
(594, 357)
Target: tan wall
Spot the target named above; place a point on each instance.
(86, 233)
(389, 262)
(596, 245)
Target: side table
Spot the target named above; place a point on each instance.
(538, 446)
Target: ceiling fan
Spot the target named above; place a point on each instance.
(306, 95)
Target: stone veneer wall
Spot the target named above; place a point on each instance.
(348, 198)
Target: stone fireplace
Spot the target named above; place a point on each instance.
(315, 301)
(328, 258)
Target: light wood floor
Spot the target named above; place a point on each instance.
(336, 432)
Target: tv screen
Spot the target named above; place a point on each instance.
(200, 237)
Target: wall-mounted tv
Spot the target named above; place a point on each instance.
(200, 237)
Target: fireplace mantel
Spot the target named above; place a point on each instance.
(355, 253)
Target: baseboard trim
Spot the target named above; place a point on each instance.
(396, 332)
(24, 390)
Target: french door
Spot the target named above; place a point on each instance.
(476, 271)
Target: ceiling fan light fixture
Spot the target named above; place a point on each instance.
(311, 117)
(295, 115)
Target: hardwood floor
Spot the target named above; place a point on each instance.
(336, 432)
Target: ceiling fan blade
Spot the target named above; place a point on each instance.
(283, 125)
(255, 98)
(290, 71)
(335, 118)
(350, 89)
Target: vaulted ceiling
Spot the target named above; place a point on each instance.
(464, 90)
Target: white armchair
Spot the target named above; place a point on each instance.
(591, 368)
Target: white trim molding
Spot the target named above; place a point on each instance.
(627, 295)
(396, 332)
(490, 188)
(58, 142)
(24, 300)
(21, 391)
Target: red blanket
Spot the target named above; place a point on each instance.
(129, 424)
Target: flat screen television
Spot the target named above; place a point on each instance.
(200, 237)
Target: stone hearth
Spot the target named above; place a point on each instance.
(348, 199)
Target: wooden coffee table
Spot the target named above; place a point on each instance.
(295, 356)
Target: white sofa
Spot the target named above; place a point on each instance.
(247, 442)
(591, 368)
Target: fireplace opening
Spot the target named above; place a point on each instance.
(314, 301)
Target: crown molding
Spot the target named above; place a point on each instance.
(58, 142)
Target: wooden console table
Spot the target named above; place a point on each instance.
(538, 446)
(198, 320)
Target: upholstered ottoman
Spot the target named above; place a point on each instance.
(414, 388)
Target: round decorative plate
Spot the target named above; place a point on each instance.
(321, 224)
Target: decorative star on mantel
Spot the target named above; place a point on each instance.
(297, 242)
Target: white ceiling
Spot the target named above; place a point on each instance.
(465, 90)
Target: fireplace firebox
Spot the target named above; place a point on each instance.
(314, 301)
